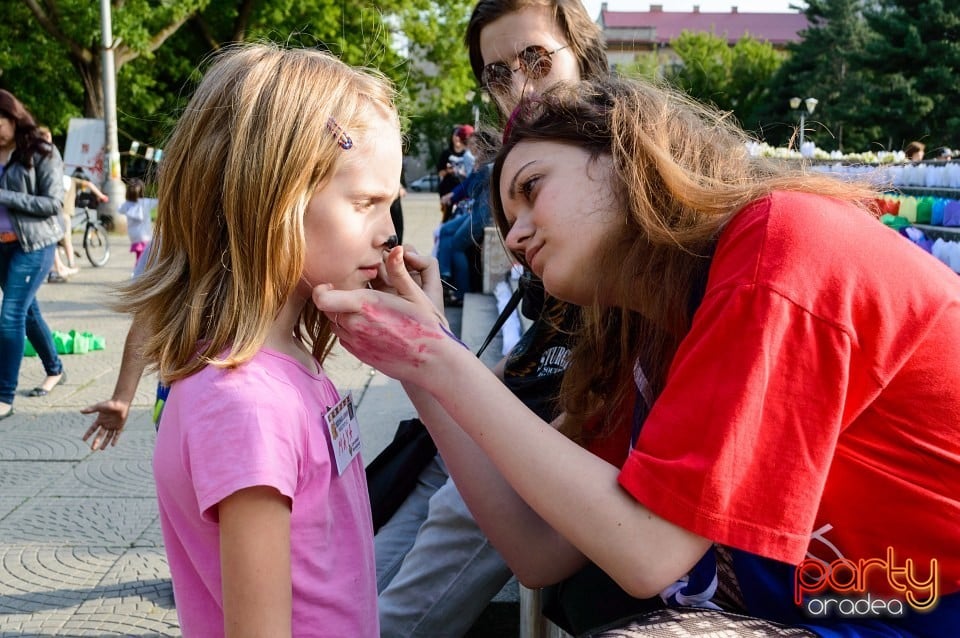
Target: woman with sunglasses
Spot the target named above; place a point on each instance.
(800, 361)
(519, 47)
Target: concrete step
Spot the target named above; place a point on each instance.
(479, 314)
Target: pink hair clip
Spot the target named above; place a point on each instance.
(343, 140)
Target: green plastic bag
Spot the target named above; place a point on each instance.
(63, 341)
(81, 342)
(73, 342)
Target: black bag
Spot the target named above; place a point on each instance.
(590, 601)
(394, 473)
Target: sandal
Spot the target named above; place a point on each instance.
(39, 391)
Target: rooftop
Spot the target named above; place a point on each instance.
(657, 25)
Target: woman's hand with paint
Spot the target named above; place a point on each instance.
(401, 333)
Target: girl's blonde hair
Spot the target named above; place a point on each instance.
(681, 171)
(265, 129)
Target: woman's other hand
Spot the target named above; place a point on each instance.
(422, 269)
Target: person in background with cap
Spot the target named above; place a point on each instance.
(455, 163)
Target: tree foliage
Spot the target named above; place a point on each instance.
(913, 61)
(733, 78)
(823, 65)
(160, 47)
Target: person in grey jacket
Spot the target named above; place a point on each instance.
(31, 198)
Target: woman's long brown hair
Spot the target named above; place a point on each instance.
(681, 171)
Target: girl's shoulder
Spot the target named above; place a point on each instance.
(251, 386)
(268, 376)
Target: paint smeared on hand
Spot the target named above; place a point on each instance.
(386, 339)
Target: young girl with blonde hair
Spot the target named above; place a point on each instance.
(265, 190)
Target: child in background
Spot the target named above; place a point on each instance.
(265, 191)
(137, 210)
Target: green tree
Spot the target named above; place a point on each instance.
(154, 87)
(752, 67)
(913, 62)
(705, 67)
(824, 65)
(65, 34)
(733, 78)
(438, 78)
(159, 48)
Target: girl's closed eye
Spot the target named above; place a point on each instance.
(372, 201)
(365, 204)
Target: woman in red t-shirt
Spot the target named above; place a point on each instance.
(799, 359)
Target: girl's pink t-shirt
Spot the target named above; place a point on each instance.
(263, 424)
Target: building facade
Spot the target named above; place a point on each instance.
(633, 34)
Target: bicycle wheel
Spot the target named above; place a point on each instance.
(96, 244)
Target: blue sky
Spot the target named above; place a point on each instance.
(711, 6)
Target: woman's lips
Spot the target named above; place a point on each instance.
(530, 254)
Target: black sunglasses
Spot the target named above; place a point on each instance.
(535, 62)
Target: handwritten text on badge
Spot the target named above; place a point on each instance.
(344, 431)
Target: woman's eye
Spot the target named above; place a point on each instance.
(527, 186)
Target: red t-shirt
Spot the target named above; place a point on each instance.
(814, 407)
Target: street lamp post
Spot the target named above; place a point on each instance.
(811, 104)
(112, 186)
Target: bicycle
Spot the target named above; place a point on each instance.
(96, 241)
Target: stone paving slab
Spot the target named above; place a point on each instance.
(78, 522)
(9, 503)
(48, 578)
(41, 444)
(26, 479)
(105, 477)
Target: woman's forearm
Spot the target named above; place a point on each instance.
(574, 491)
(533, 550)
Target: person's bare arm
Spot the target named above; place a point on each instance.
(93, 188)
(255, 563)
(112, 414)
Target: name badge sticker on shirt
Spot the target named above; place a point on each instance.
(344, 431)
